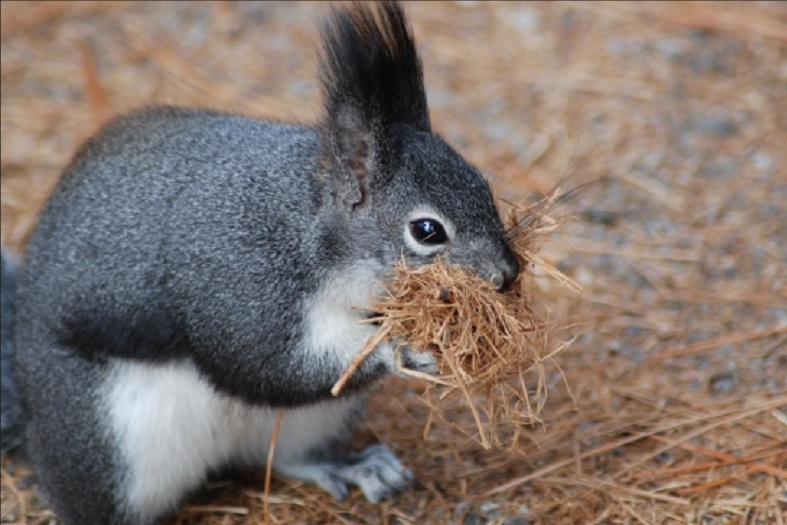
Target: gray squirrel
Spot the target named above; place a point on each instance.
(196, 272)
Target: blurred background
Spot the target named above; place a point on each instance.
(671, 404)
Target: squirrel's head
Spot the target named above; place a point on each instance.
(399, 188)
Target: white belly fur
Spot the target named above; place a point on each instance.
(173, 428)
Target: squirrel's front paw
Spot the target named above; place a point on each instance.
(422, 362)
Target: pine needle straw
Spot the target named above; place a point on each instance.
(485, 341)
(269, 466)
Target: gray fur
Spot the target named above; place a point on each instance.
(11, 411)
(210, 244)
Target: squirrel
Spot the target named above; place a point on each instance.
(195, 272)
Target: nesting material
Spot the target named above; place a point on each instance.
(485, 341)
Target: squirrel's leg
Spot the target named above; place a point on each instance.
(375, 470)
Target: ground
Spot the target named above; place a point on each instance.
(671, 404)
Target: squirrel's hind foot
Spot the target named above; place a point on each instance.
(375, 470)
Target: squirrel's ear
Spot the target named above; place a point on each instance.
(357, 147)
(371, 80)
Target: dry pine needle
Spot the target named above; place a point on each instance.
(484, 340)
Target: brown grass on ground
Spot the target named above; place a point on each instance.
(678, 404)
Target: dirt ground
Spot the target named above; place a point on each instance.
(671, 404)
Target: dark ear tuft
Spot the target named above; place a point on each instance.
(371, 80)
(369, 60)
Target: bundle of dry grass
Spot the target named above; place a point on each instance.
(485, 341)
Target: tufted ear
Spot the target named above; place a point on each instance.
(371, 80)
(358, 149)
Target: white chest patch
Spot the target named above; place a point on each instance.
(335, 318)
(172, 428)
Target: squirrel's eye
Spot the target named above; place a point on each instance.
(428, 231)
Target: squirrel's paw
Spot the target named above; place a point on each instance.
(422, 362)
(376, 470)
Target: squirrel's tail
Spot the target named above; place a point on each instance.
(11, 412)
